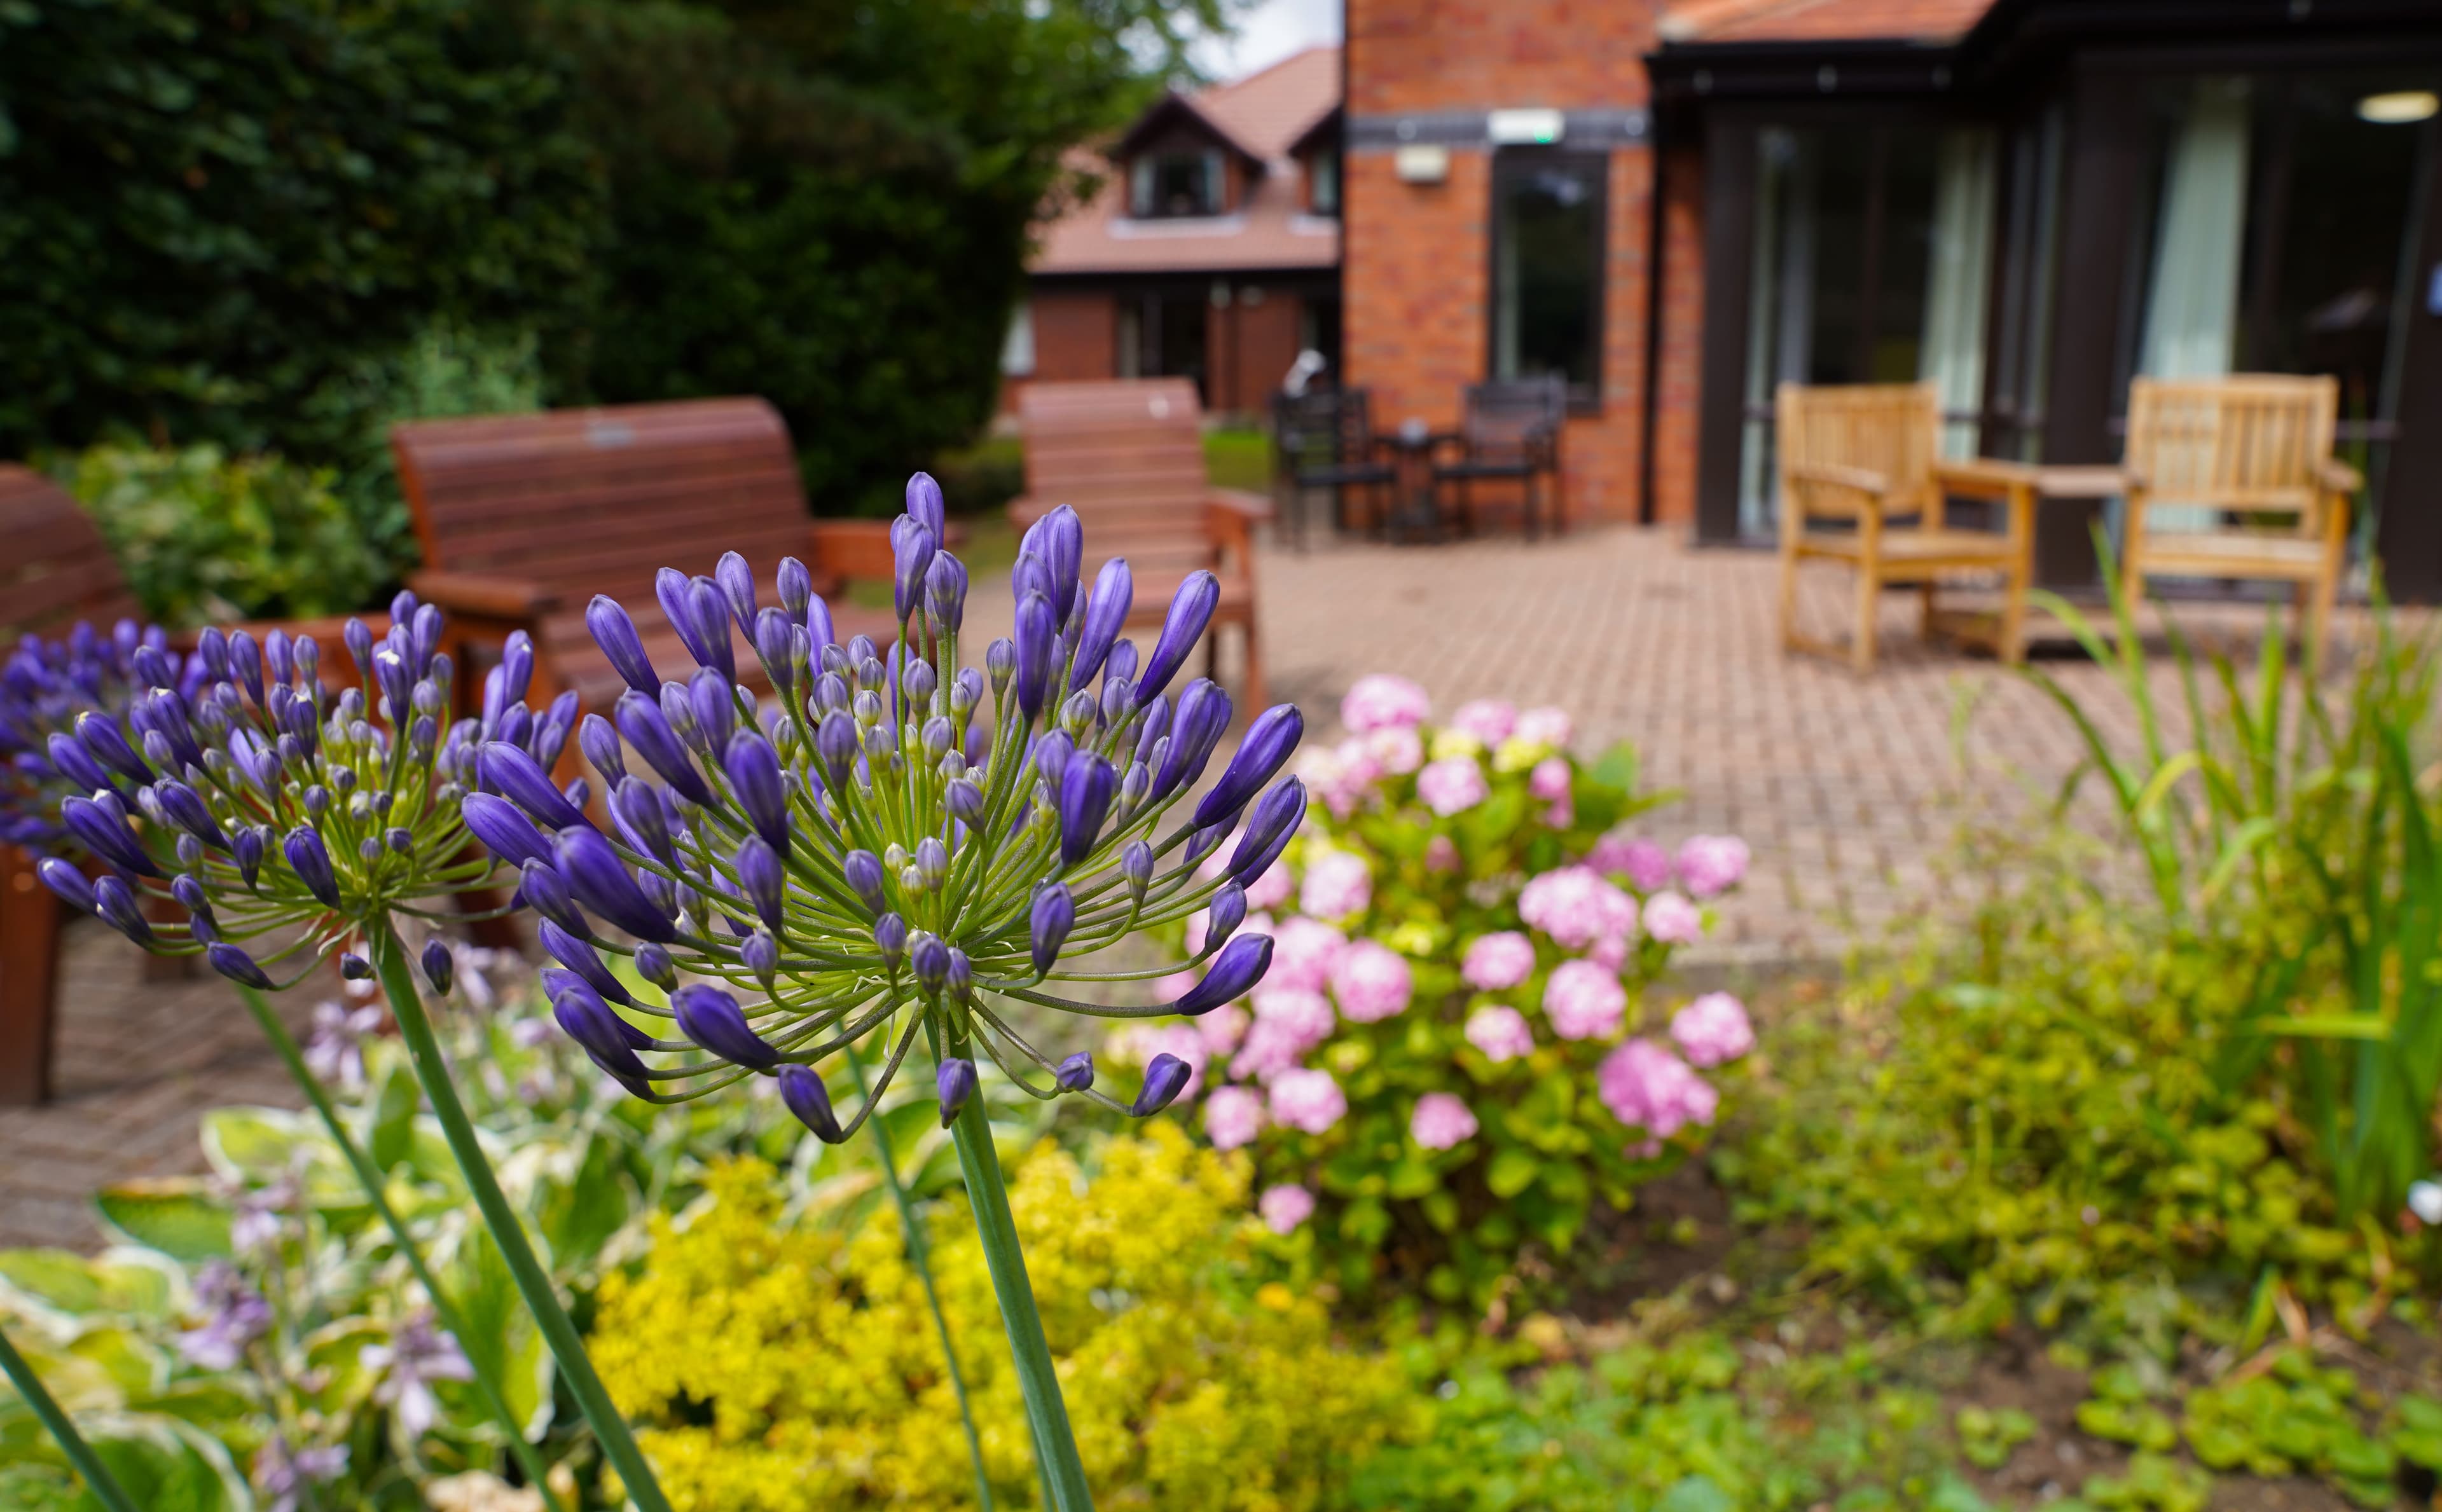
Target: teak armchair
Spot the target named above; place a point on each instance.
(1866, 460)
(2257, 451)
(1129, 458)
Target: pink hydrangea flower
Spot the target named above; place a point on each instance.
(1673, 919)
(1549, 781)
(1577, 906)
(1441, 854)
(1562, 814)
(1584, 1001)
(1610, 953)
(1644, 864)
(1285, 1208)
(1338, 884)
(1441, 1120)
(1647, 1087)
(1397, 752)
(1381, 702)
(1290, 1021)
(1372, 982)
(1710, 865)
(1500, 1032)
(1232, 1117)
(1546, 726)
(1307, 1101)
(1222, 1029)
(1489, 719)
(1494, 962)
(1303, 951)
(1339, 775)
(1452, 785)
(1713, 1030)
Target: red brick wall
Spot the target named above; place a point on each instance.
(1679, 370)
(1417, 255)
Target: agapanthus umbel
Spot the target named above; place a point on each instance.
(45, 686)
(893, 842)
(263, 804)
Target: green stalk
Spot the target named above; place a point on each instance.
(96, 1475)
(918, 1257)
(371, 1180)
(1055, 1445)
(534, 1282)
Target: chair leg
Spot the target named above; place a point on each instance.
(1533, 509)
(2013, 647)
(1254, 664)
(1869, 592)
(29, 957)
(2317, 596)
(1788, 596)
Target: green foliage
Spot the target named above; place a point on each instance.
(2294, 1418)
(205, 536)
(1987, 1437)
(1239, 459)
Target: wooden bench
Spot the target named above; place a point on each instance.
(1129, 458)
(2248, 461)
(523, 519)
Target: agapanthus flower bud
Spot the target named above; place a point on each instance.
(932, 862)
(714, 701)
(97, 830)
(1241, 965)
(945, 592)
(616, 634)
(114, 903)
(761, 954)
(737, 582)
(236, 964)
(648, 731)
(578, 956)
(964, 800)
(312, 863)
(709, 613)
(247, 845)
(836, 744)
(753, 771)
(803, 1093)
(186, 808)
(602, 1034)
(1076, 1073)
(654, 965)
(355, 968)
(863, 870)
(599, 742)
(1165, 1078)
(955, 1082)
(1136, 864)
(1077, 713)
(775, 643)
(795, 586)
(504, 830)
(67, 882)
(1197, 726)
(358, 638)
(915, 684)
(1106, 614)
(760, 876)
(1036, 631)
(602, 883)
(527, 785)
(1122, 663)
(1052, 752)
(1000, 662)
(1086, 792)
(912, 546)
(1269, 742)
(1190, 611)
(440, 966)
(1059, 540)
(1275, 819)
(929, 960)
(925, 503)
(546, 892)
(712, 1019)
(245, 659)
(70, 756)
(1049, 922)
(890, 938)
(1223, 915)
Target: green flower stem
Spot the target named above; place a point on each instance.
(534, 1282)
(371, 1180)
(1055, 1445)
(96, 1475)
(919, 1256)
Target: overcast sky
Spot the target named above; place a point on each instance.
(1271, 32)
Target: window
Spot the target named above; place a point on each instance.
(1547, 269)
(1176, 184)
(1322, 183)
(1017, 347)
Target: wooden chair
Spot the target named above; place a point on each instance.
(1511, 432)
(523, 519)
(1129, 458)
(1324, 438)
(58, 571)
(1866, 460)
(2254, 451)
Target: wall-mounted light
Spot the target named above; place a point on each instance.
(1525, 128)
(2400, 107)
(1421, 163)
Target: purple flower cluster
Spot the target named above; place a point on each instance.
(45, 686)
(893, 844)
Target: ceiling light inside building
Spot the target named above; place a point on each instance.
(2399, 108)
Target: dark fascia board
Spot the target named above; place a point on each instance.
(1724, 70)
(1326, 128)
(1305, 278)
(1175, 106)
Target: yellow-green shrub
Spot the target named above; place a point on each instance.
(788, 1369)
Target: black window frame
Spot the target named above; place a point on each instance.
(1209, 166)
(1508, 163)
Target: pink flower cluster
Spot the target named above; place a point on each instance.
(1338, 884)
(1304, 951)
(1494, 962)
(1646, 864)
(1584, 1001)
(1381, 702)
(1500, 1032)
(1489, 719)
(1289, 1022)
(1308, 1100)
(1579, 907)
(1706, 865)
(1713, 1030)
(1232, 1117)
(1285, 1208)
(1546, 726)
(1673, 919)
(1452, 785)
(1372, 982)
(1647, 1087)
(1441, 1122)
(1712, 864)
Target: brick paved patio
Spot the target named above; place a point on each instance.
(1845, 787)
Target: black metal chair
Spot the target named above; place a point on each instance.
(1324, 439)
(1511, 434)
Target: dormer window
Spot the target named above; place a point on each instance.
(1322, 183)
(1171, 184)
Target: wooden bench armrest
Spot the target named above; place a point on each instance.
(1857, 480)
(490, 596)
(2338, 477)
(1982, 476)
(1239, 501)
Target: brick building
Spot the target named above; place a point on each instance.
(2025, 202)
(1212, 251)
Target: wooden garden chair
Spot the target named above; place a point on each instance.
(2248, 461)
(1129, 458)
(1511, 433)
(1865, 461)
(523, 519)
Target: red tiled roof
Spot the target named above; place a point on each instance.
(1727, 21)
(1264, 113)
